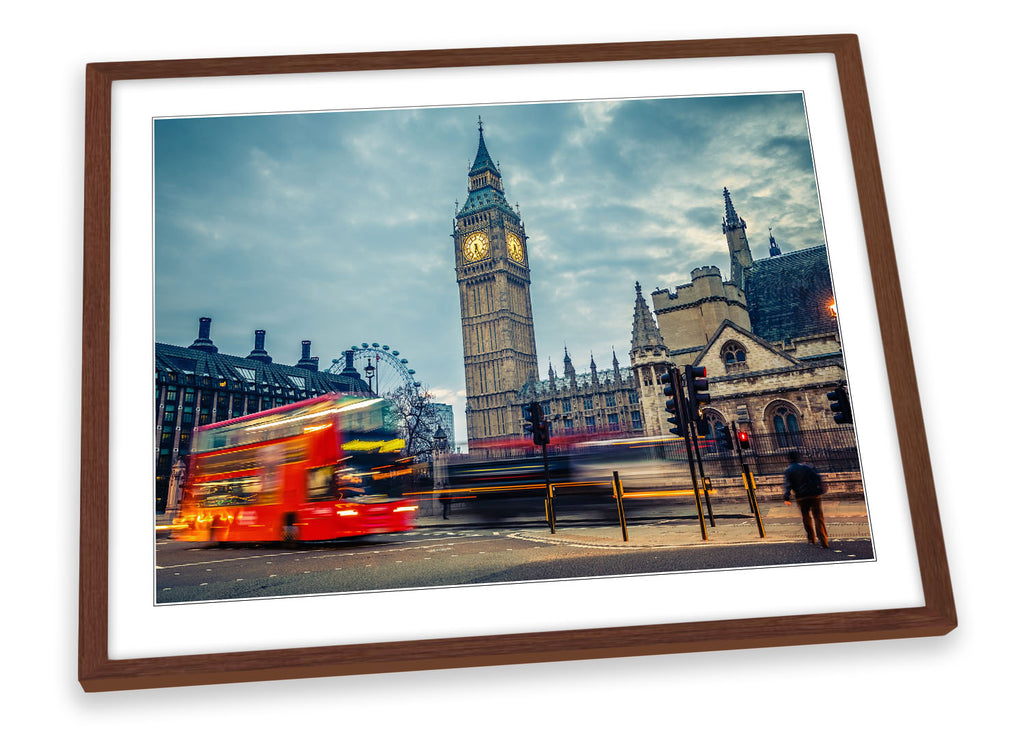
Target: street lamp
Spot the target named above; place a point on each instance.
(440, 471)
(440, 439)
(370, 371)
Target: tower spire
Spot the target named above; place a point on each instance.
(731, 221)
(485, 188)
(734, 228)
(646, 334)
(483, 161)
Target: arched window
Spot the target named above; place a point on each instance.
(785, 423)
(734, 354)
(716, 430)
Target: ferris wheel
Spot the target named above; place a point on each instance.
(380, 366)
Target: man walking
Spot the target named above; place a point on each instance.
(805, 484)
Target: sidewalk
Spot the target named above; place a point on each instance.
(734, 524)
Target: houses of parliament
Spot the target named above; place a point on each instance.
(767, 333)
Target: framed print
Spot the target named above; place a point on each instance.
(703, 220)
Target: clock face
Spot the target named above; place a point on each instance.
(474, 247)
(515, 247)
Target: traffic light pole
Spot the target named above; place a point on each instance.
(683, 418)
(549, 497)
(541, 431)
(691, 427)
(748, 483)
(679, 416)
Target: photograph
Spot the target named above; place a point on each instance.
(435, 369)
(474, 345)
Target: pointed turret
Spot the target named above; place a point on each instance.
(615, 367)
(645, 330)
(570, 370)
(594, 381)
(648, 359)
(734, 228)
(731, 221)
(551, 375)
(773, 247)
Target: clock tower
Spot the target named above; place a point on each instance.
(492, 269)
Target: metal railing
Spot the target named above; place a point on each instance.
(829, 450)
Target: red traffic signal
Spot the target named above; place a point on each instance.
(743, 438)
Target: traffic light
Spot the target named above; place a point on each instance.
(840, 406)
(743, 438)
(674, 406)
(538, 426)
(696, 389)
(724, 438)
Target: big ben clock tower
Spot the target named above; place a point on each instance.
(493, 272)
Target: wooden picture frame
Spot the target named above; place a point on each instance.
(99, 672)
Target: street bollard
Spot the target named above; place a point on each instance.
(748, 482)
(617, 490)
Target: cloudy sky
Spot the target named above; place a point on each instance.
(335, 227)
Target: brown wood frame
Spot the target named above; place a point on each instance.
(97, 672)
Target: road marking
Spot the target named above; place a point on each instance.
(426, 544)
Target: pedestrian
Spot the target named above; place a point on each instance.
(446, 505)
(805, 484)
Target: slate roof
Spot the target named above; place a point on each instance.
(487, 196)
(250, 375)
(483, 158)
(484, 198)
(788, 296)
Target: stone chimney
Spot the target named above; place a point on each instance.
(258, 352)
(306, 362)
(203, 342)
(350, 371)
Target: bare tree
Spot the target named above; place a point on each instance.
(418, 417)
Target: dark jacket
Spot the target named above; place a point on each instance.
(803, 481)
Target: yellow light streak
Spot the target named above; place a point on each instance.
(322, 413)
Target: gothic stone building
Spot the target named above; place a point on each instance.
(600, 403)
(768, 338)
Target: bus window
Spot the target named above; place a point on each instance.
(320, 486)
(234, 493)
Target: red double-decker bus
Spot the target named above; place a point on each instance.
(320, 469)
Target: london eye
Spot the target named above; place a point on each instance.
(381, 366)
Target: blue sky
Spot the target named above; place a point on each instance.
(335, 227)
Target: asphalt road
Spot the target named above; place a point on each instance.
(429, 557)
